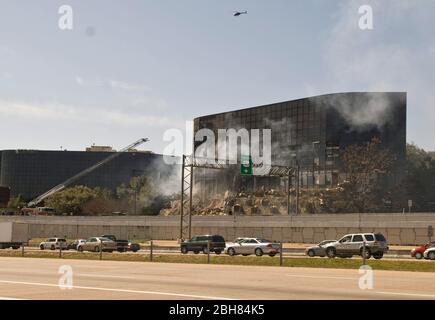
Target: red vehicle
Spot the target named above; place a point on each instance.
(417, 252)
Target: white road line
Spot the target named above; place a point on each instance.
(102, 276)
(320, 277)
(408, 294)
(119, 290)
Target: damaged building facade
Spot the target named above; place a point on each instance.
(310, 133)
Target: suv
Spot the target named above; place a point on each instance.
(352, 244)
(199, 243)
(53, 243)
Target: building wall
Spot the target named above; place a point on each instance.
(399, 229)
(314, 130)
(31, 172)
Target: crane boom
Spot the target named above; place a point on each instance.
(69, 181)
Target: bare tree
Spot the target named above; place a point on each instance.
(364, 165)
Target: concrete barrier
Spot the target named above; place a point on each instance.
(399, 229)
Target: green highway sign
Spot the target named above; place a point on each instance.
(246, 165)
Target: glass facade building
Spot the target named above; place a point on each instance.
(313, 131)
(30, 173)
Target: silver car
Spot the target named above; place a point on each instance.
(97, 243)
(247, 246)
(429, 254)
(54, 243)
(318, 250)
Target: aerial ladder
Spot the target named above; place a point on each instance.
(81, 174)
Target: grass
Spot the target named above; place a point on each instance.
(338, 263)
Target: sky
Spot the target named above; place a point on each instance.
(133, 69)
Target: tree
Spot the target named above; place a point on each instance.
(141, 195)
(420, 181)
(72, 200)
(364, 165)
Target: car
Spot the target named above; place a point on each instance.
(132, 246)
(200, 243)
(319, 249)
(54, 243)
(97, 243)
(121, 245)
(353, 244)
(74, 245)
(418, 252)
(429, 254)
(257, 246)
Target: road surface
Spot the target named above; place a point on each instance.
(24, 278)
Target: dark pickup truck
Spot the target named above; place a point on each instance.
(200, 243)
(121, 245)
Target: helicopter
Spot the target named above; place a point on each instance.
(238, 13)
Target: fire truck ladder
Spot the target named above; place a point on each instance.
(71, 180)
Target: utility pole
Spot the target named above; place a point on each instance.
(314, 161)
(298, 186)
(298, 173)
(288, 193)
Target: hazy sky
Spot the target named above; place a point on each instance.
(132, 69)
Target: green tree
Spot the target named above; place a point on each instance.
(16, 202)
(420, 181)
(72, 200)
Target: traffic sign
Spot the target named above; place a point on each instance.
(246, 165)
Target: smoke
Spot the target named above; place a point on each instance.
(168, 179)
(360, 110)
(398, 55)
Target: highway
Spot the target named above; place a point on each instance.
(23, 278)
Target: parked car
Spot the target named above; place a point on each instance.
(257, 246)
(319, 249)
(95, 243)
(418, 252)
(429, 254)
(352, 244)
(121, 245)
(74, 245)
(132, 246)
(54, 243)
(199, 243)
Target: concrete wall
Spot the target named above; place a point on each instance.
(401, 229)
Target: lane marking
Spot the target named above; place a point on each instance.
(119, 290)
(9, 298)
(320, 277)
(407, 294)
(90, 275)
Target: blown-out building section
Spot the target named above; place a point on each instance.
(312, 132)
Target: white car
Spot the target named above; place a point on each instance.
(53, 243)
(247, 246)
(75, 244)
(429, 254)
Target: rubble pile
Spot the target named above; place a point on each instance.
(260, 202)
